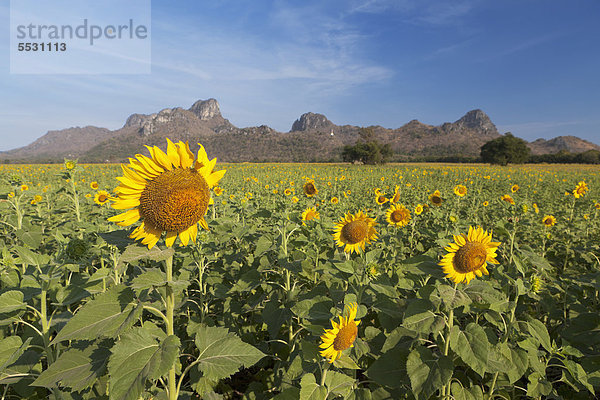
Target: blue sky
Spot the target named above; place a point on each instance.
(532, 66)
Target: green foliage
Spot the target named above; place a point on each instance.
(367, 149)
(504, 150)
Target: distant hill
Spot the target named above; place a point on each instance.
(312, 137)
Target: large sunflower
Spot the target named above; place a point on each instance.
(436, 198)
(354, 232)
(580, 189)
(101, 197)
(169, 192)
(342, 334)
(309, 188)
(460, 190)
(397, 215)
(309, 214)
(549, 220)
(467, 256)
(380, 198)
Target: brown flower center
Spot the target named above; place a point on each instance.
(436, 200)
(354, 232)
(381, 199)
(309, 188)
(102, 198)
(345, 337)
(174, 200)
(398, 215)
(470, 257)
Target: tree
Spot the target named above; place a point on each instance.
(504, 150)
(367, 149)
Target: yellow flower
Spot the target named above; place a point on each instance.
(36, 199)
(249, 195)
(102, 197)
(549, 220)
(295, 199)
(11, 195)
(309, 188)
(169, 192)
(70, 164)
(94, 185)
(535, 208)
(580, 189)
(380, 198)
(514, 188)
(287, 192)
(597, 206)
(468, 255)
(486, 203)
(586, 216)
(397, 215)
(335, 200)
(217, 191)
(24, 188)
(354, 232)
(309, 214)
(342, 334)
(507, 199)
(88, 195)
(436, 198)
(396, 196)
(460, 190)
(418, 209)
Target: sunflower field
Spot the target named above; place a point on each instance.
(173, 277)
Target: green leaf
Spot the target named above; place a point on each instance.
(538, 330)
(462, 393)
(315, 308)
(419, 317)
(538, 385)
(519, 361)
(275, 317)
(107, 315)
(11, 301)
(77, 369)
(310, 390)
(345, 362)
(390, 369)
(427, 372)
(137, 357)
(11, 348)
(291, 393)
(150, 278)
(222, 353)
(579, 374)
(134, 252)
(338, 383)
(472, 346)
(453, 298)
(483, 293)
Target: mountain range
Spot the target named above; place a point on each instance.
(312, 137)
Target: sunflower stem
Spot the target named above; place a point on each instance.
(170, 300)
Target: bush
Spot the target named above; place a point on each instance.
(367, 149)
(504, 150)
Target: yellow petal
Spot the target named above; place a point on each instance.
(171, 236)
(173, 154)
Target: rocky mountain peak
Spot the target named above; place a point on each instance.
(477, 120)
(311, 121)
(206, 109)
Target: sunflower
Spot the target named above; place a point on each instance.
(24, 188)
(380, 198)
(354, 231)
(507, 199)
(287, 191)
(217, 191)
(70, 164)
(309, 214)
(396, 197)
(397, 215)
(94, 185)
(101, 197)
(514, 188)
(36, 199)
(342, 334)
(460, 190)
(597, 206)
(419, 209)
(295, 199)
(436, 198)
(549, 220)
(169, 192)
(467, 256)
(535, 208)
(335, 200)
(486, 203)
(580, 189)
(309, 188)
(11, 195)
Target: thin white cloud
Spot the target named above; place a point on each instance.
(421, 12)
